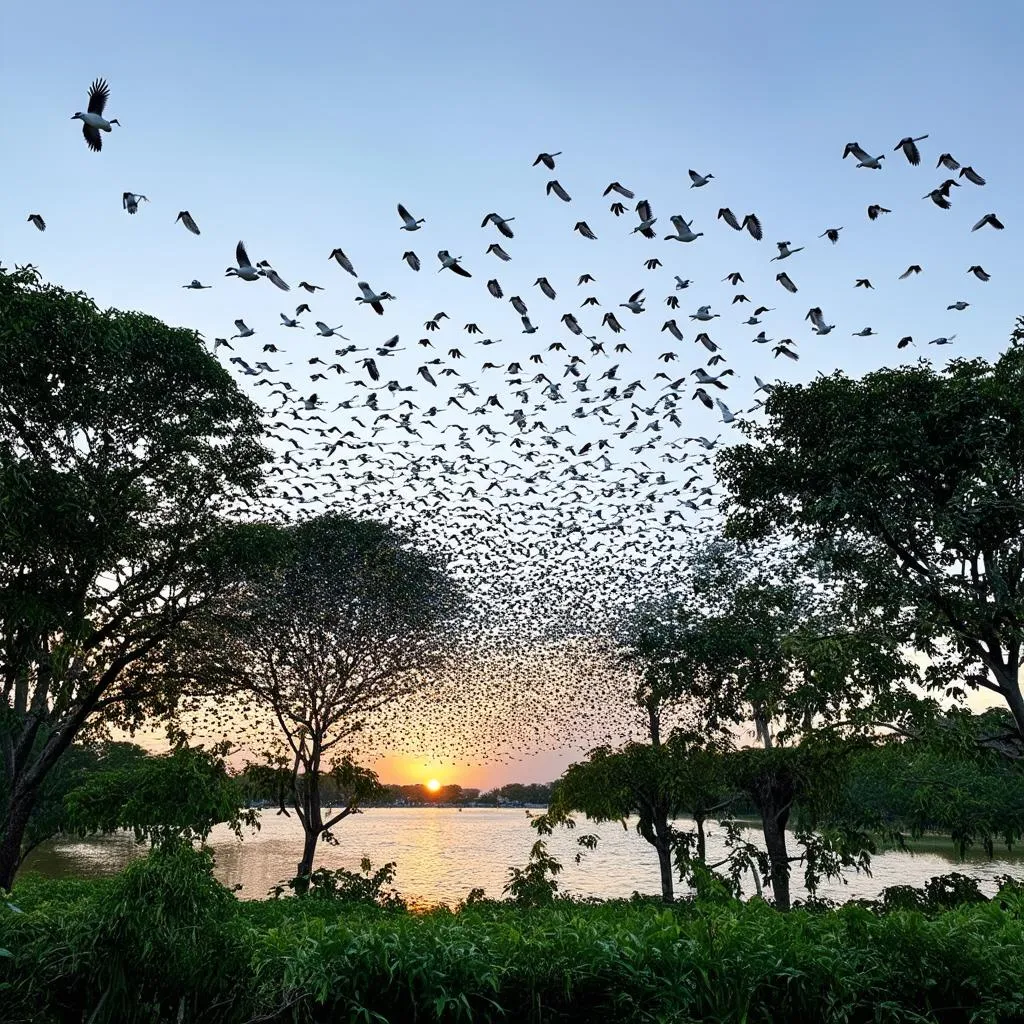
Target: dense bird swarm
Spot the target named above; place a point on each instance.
(559, 454)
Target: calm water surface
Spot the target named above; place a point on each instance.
(442, 853)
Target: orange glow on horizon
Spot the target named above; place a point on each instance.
(433, 785)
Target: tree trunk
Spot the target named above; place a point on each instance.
(774, 828)
(665, 864)
(702, 851)
(12, 833)
(305, 868)
(1009, 684)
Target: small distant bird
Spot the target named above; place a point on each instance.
(979, 273)
(243, 331)
(784, 251)
(905, 341)
(586, 279)
(494, 287)
(684, 233)
(914, 268)
(621, 189)
(729, 217)
(618, 209)
(699, 180)
(245, 270)
(545, 286)
(267, 271)
(496, 250)
(410, 223)
(681, 284)
(753, 226)
(37, 220)
(972, 175)
(302, 308)
(960, 306)
(187, 220)
(874, 211)
(909, 147)
(584, 229)
(93, 121)
(786, 282)
(734, 278)
(449, 262)
(310, 287)
(635, 304)
(864, 159)
(343, 261)
(329, 332)
(727, 416)
(501, 223)
(947, 161)
(547, 159)
(863, 282)
(370, 298)
(130, 201)
(554, 186)
(939, 197)
(291, 322)
(196, 285)
(943, 340)
(832, 234)
(412, 259)
(992, 220)
(865, 332)
(647, 219)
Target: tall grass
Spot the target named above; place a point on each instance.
(163, 943)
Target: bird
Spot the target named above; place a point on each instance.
(947, 161)
(786, 282)
(547, 159)
(753, 226)
(243, 330)
(729, 217)
(992, 220)
(727, 415)
(647, 219)
(684, 233)
(412, 259)
(501, 223)
(290, 321)
(832, 234)
(979, 273)
(545, 286)
(130, 201)
(785, 251)
(939, 197)
(863, 282)
(864, 332)
(245, 270)
(972, 175)
(914, 268)
(370, 298)
(449, 262)
(699, 180)
(909, 147)
(584, 229)
(311, 288)
(704, 313)
(37, 220)
(943, 340)
(496, 250)
(196, 285)
(554, 186)
(635, 304)
(343, 261)
(874, 211)
(188, 221)
(410, 223)
(817, 318)
(329, 332)
(959, 305)
(905, 341)
(864, 159)
(93, 121)
(681, 284)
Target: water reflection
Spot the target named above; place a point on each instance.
(442, 853)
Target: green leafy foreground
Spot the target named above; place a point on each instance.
(165, 941)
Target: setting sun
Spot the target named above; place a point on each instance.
(433, 785)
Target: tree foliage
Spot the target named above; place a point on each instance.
(911, 482)
(123, 444)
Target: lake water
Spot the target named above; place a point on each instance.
(442, 853)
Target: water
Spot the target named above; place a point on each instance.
(442, 853)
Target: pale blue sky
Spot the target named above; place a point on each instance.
(299, 130)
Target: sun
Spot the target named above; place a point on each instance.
(433, 785)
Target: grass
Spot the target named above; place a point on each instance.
(163, 941)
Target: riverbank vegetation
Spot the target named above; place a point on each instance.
(164, 941)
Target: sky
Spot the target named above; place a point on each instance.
(299, 130)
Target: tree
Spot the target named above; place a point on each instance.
(657, 782)
(164, 798)
(732, 646)
(123, 443)
(343, 621)
(911, 481)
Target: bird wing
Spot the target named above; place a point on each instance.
(643, 208)
(99, 93)
(753, 225)
(460, 270)
(910, 151)
(241, 255)
(503, 228)
(240, 324)
(404, 214)
(186, 219)
(856, 150)
(275, 278)
(93, 139)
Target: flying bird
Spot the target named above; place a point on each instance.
(875, 211)
(909, 147)
(188, 221)
(93, 121)
(130, 201)
(501, 223)
(547, 159)
(992, 220)
(699, 180)
(245, 270)
(343, 261)
(409, 222)
(554, 186)
(37, 220)
(864, 159)
(449, 262)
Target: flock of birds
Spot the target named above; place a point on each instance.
(564, 479)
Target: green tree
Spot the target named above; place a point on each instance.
(123, 444)
(346, 619)
(911, 482)
(163, 798)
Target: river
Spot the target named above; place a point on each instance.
(442, 853)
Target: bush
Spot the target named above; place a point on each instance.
(164, 942)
